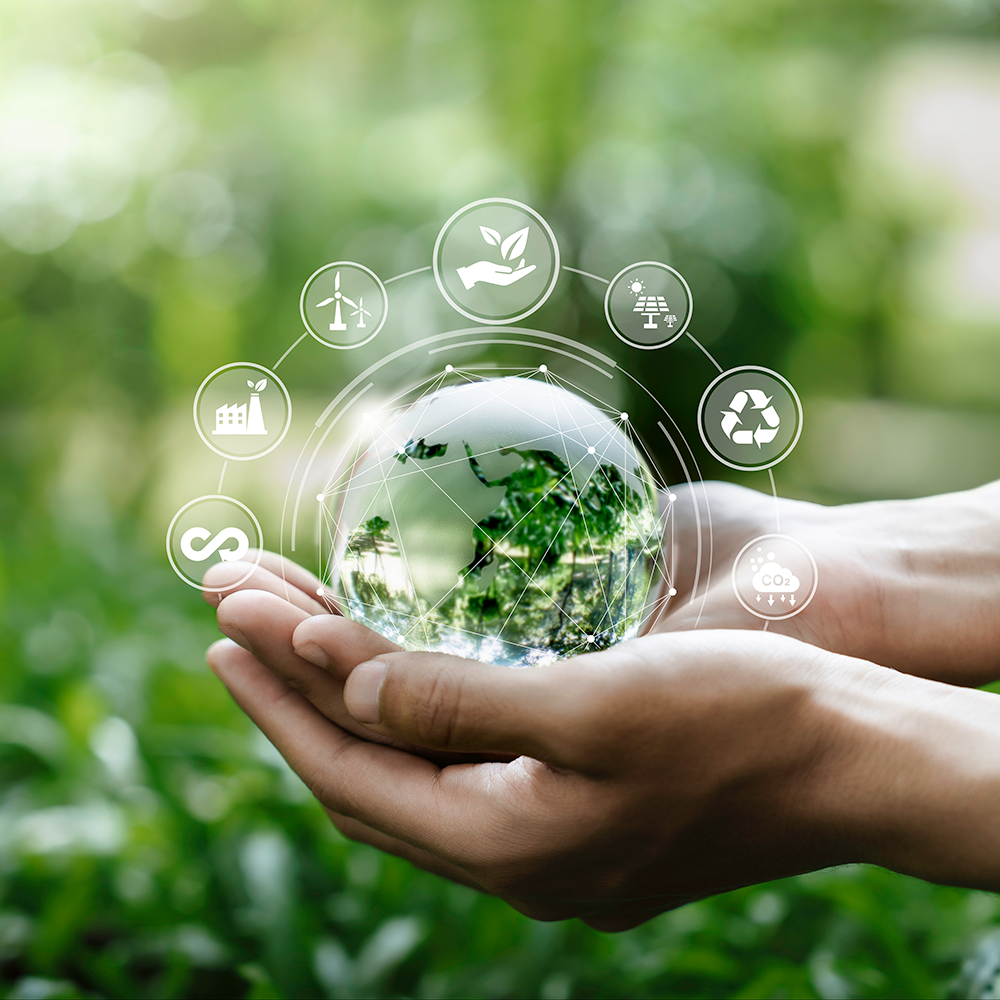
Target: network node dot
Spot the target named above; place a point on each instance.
(672, 592)
(590, 639)
(448, 368)
(320, 592)
(671, 497)
(591, 450)
(543, 368)
(623, 416)
(320, 497)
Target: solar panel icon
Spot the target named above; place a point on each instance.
(652, 306)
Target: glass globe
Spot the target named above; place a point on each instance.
(507, 520)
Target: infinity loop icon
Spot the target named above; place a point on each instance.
(215, 545)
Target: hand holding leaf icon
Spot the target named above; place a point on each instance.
(498, 274)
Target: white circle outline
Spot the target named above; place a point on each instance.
(621, 336)
(260, 542)
(556, 265)
(382, 291)
(788, 448)
(284, 430)
(803, 605)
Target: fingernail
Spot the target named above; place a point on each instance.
(236, 635)
(212, 652)
(313, 653)
(361, 692)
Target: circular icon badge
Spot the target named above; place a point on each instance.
(774, 577)
(344, 305)
(750, 418)
(242, 411)
(648, 305)
(210, 530)
(496, 260)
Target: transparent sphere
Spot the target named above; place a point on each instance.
(508, 520)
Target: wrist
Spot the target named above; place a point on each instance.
(909, 777)
(917, 580)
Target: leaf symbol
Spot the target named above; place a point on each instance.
(249, 383)
(262, 384)
(514, 245)
(490, 235)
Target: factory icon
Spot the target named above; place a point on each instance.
(242, 418)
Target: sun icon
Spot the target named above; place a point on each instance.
(636, 286)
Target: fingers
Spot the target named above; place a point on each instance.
(263, 623)
(338, 644)
(291, 572)
(393, 792)
(453, 704)
(227, 578)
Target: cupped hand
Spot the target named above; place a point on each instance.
(910, 584)
(635, 779)
(261, 613)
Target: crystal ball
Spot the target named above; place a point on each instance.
(507, 520)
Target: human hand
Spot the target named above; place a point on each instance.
(492, 274)
(910, 584)
(651, 774)
(262, 612)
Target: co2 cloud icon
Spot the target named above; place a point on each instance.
(772, 578)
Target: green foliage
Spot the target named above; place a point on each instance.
(151, 842)
(555, 567)
(420, 449)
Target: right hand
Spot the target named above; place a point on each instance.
(636, 779)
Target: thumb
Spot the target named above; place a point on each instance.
(447, 703)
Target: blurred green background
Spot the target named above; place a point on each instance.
(824, 174)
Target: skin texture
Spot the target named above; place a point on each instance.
(620, 784)
(910, 584)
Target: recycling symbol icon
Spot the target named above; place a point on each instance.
(760, 410)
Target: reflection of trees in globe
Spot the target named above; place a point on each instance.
(504, 519)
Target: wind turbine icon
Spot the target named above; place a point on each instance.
(359, 307)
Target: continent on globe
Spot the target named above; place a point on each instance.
(506, 519)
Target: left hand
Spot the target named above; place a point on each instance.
(262, 613)
(910, 584)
